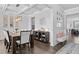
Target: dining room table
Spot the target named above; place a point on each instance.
(15, 36)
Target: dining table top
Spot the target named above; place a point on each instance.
(13, 34)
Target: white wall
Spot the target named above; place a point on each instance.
(71, 19)
(1, 28)
(48, 18)
(25, 22)
(72, 11)
(1, 21)
(71, 15)
(44, 19)
(60, 10)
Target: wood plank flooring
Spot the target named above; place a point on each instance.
(39, 48)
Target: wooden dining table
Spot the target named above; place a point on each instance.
(15, 36)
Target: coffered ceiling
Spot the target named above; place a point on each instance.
(68, 6)
(12, 9)
(26, 9)
(18, 9)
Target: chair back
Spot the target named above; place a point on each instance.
(6, 35)
(9, 36)
(25, 37)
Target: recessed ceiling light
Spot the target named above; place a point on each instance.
(17, 5)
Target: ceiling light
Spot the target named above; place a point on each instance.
(17, 5)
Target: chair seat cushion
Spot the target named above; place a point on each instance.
(18, 41)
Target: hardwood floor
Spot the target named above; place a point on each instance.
(2, 48)
(39, 48)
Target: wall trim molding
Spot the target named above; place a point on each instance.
(71, 11)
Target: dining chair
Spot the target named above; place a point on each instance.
(24, 39)
(7, 40)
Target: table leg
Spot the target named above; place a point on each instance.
(14, 45)
(32, 41)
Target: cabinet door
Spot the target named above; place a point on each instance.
(33, 23)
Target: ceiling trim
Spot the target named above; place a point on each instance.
(24, 9)
(71, 11)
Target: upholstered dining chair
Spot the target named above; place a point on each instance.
(7, 40)
(24, 39)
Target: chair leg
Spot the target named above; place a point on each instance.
(8, 48)
(6, 45)
(5, 42)
(20, 48)
(28, 45)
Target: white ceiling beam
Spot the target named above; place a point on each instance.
(4, 7)
(71, 11)
(38, 9)
(26, 8)
(8, 8)
(35, 12)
